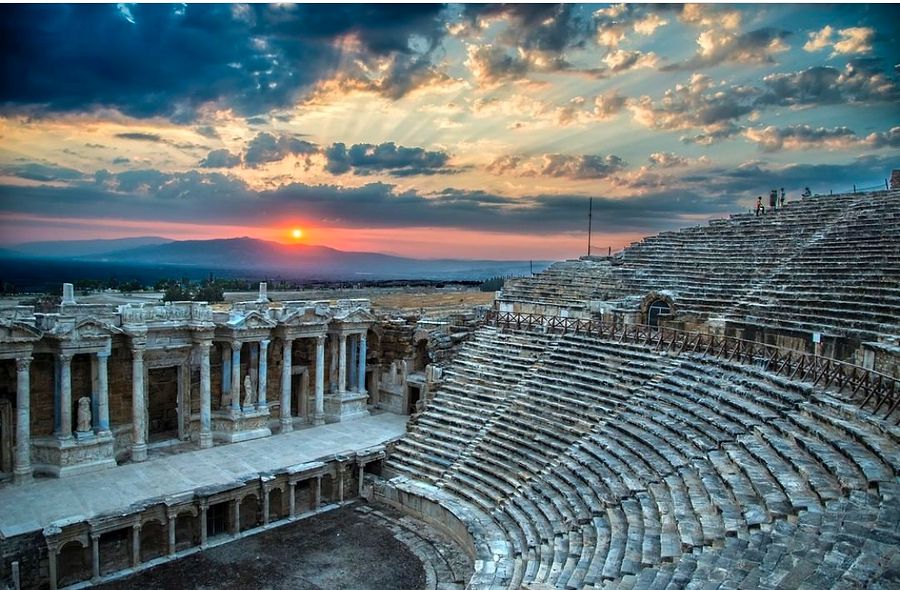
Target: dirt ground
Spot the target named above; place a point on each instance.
(432, 300)
(336, 550)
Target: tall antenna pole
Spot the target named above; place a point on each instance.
(590, 214)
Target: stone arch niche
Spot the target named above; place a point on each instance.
(187, 529)
(276, 504)
(249, 512)
(73, 563)
(115, 548)
(154, 539)
(373, 360)
(420, 350)
(657, 306)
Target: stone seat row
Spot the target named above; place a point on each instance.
(705, 462)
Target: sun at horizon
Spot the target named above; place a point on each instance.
(297, 233)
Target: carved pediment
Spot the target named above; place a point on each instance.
(91, 329)
(250, 321)
(355, 316)
(304, 316)
(13, 331)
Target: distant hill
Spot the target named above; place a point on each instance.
(304, 260)
(72, 248)
(239, 257)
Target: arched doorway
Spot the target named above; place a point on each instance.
(422, 358)
(658, 308)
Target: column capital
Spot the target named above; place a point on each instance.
(23, 363)
(95, 536)
(136, 526)
(204, 344)
(265, 342)
(105, 354)
(320, 339)
(65, 357)
(137, 354)
(236, 345)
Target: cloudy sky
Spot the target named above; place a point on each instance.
(434, 130)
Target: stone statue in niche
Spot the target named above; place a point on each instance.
(84, 414)
(248, 391)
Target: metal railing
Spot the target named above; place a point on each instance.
(867, 389)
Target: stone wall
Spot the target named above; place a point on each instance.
(42, 384)
(397, 339)
(30, 550)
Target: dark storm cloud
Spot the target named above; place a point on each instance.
(576, 167)
(220, 159)
(156, 138)
(151, 137)
(266, 147)
(163, 60)
(150, 195)
(541, 27)
(190, 197)
(41, 172)
(366, 158)
(861, 81)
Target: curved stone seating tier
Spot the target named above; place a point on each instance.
(828, 264)
(611, 465)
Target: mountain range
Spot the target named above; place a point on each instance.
(245, 257)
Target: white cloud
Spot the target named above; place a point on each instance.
(855, 40)
(711, 15)
(852, 40)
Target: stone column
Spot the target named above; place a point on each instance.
(235, 377)
(318, 496)
(236, 517)
(319, 416)
(287, 424)
(51, 558)
(342, 364)
(22, 468)
(203, 531)
(102, 419)
(95, 557)
(226, 370)
(340, 482)
(292, 498)
(65, 395)
(135, 545)
(261, 402)
(138, 410)
(205, 397)
(361, 372)
(362, 471)
(351, 369)
(265, 507)
(333, 367)
(171, 517)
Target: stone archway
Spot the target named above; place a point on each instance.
(249, 512)
(154, 540)
(276, 504)
(73, 563)
(657, 306)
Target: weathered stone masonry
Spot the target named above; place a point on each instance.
(164, 373)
